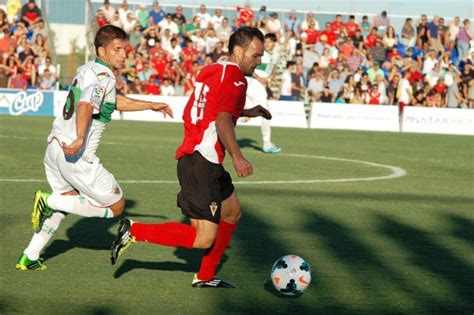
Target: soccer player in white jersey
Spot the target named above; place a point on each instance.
(79, 183)
(257, 89)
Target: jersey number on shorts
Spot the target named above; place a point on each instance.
(197, 111)
(71, 101)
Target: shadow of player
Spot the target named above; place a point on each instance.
(249, 143)
(91, 233)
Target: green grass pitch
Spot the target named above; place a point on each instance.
(401, 245)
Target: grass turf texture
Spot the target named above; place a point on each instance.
(403, 245)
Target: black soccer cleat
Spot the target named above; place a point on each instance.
(122, 241)
(213, 283)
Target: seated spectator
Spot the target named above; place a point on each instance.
(292, 23)
(357, 97)
(179, 19)
(136, 87)
(316, 86)
(156, 14)
(352, 26)
(116, 20)
(135, 37)
(142, 16)
(309, 18)
(358, 39)
(146, 73)
(348, 88)
(204, 17)
(3, 76)
(408, 36)
(328, 35)
(378, 52)
(17, 81)
(168, 23)
(40, 28)
(166, 89)
(174, 49)
(390, 39)
(124, 11)
(326, 96)
(375, 71)
(47, 81)
(151, 86)
(365, 26)
(273, 25)
(453, 31)
(372, 39)
(382, 22)
(434, 75)
(373, 97)
(101, 19)
(192, 27)
(217, 51)
(392, 90)
(335, 82)
(129, 23)
(30, 13)
(47, 66)
(107, 10)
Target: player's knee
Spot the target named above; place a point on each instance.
(204, 242)
(118, 207)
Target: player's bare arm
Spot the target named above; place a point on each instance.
(126, 104)
(226, 132)
(83, 119)
(257, 111)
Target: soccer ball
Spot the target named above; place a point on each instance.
(291, 275)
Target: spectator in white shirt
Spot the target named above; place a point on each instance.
(168, 23)
(124, 11)
(174, 49)
(108, 10)
(166, 89)
(204, 17)
(429, 62)
(217, 18)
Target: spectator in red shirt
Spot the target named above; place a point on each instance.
(30, 13)
(151, 87)
(101, 19)
(246, 14)
(352, 26)
(373, 97)
(17, 81)
(372, 38)
(415, 74)
(336, 25)
(440, 87)
(312, 35)
(347, 47)
(329, 35)
(160, 62)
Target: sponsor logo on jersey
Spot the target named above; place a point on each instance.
(239, 83)
(97, 95)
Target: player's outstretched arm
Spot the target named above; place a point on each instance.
(256, 111)
(226, 133)
(126, 104)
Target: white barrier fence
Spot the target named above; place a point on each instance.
(285, 114)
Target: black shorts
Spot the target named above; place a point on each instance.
(204, 185)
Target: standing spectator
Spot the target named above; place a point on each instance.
(392, 90)
(47, 81)
(204, 17)
(108, 10)
(328, 34)
(30, 13)
(156, 14)
(217, 18)
(246, 14)
(297, 83)
(142, 16)
(408, 34)
(309, 18)
(453, 96)
(124, 11)
(286, 83)
(435, 39)
(336, 25)
(179, 18)
(443, 32)
(453, 31)
(422, 31)
(274, 25)
(405, 92)
(382, 22)
(293, 24)
(464, 37)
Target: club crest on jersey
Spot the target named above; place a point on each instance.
(213, 208)
(239, 83)
(97, 95)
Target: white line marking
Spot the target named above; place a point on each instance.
(395, 173)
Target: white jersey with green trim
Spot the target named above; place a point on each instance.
(94, 84)
(269, 61)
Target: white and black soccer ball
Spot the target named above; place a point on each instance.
(291, 275)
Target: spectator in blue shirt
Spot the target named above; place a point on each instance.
(435, 40)
(156, 14)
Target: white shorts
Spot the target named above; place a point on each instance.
(256, 94)
(91, 179)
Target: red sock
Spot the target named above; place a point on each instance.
(213, 256)
(169, 234)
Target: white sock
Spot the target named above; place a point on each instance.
(79, 205)
(40, 239)
(266, 133)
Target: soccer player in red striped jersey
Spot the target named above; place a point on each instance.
(207, 195)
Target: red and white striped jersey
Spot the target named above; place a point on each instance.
(219, 87)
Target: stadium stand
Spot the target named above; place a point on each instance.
(428, 62)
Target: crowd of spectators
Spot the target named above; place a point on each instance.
(25, 60)
(425, 63)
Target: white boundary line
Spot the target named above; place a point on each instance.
(395, 173)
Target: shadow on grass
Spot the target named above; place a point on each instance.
(90, 233)
(249, 143)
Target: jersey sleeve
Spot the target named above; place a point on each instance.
(95, 91)
(232, 92)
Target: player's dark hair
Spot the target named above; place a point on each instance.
(243, 37)
(106, 34)
(271, 36)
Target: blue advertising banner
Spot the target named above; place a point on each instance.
(30, 102)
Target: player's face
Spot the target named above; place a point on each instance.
(114, 53)
(251, 57)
